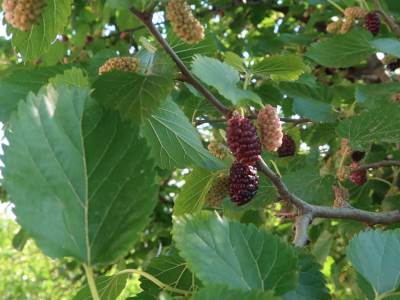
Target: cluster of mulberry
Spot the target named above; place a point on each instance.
(23, 14)
(270, 128)
(243, 140)
(126, 64)
(243, 183)
(288, 147)
(358, 177)
(372, 23)
(218, 191)
(185, 25)
(217, 149)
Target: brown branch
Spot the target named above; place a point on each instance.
(390, 21)
(223, 120)
(376, 165)
(146, 18)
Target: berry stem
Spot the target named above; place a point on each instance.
(376, 165)
(391, 23)
(91, 282)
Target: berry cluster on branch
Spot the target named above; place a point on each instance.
(23, 14)
(270, 128)
(243, 183)
(124, 64)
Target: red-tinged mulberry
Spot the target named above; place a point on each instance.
(243, 183)
(185, 25)
(358, 177)
(243, 140)
(23, 14)
(270, 128)
(372, 23)
(218, 191)
(125, 64)
(288, 147)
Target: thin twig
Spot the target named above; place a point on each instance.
(376, 165)
(223, 120)
(146, 18)
(388, 18)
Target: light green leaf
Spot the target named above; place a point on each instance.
(222, 77)
(373, 125)
(374, 254)
(220, 251)
(135, 95)
(109, 288)
(90, 176)
(235, 61)
(171, 270)
(281, 67)
(308, 184)
(192, 196)
(372, 94)
(17, 81)
(20, 239)
(312, 285)
(174, 142)
(35, 42)
(344, 51)
(73, 77)
(221, 292)
(387, 45)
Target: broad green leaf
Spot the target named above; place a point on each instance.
(186, 52)
(373, 125)
(221, 292)
(109, 288)
(171, 270)
(310, 100)
(308, 184)
(222, 77)
(235, 61)
(387, 45)
(344, 51)
(17, 81)
(35, 42)
(192, 196)
(135, 95)
(73, 77)
(174, 141)
(374, 254)
(372, 94)
(281, 67)
(220, 251)
(312, 285)
(91, 187)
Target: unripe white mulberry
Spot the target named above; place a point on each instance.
(23, 14)
(355, 12)
(218, 191)
(218, 150)
(270, 128)
(185, 25)
(334, 27)
(125, 64)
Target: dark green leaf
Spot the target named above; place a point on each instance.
(239, 256)
(20, 239)
(221, 292)
(109, 288)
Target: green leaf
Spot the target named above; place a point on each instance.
(171, 270)
(372, 94)
(373, 125)
(136, 96)
(20, 239)
(222, 77)
(17, 81)
(186, 52)
(89, 176)
(220, 251)
(221, 292)
(35, 42)
(281, 67)
(310, 100)
(109, 288)
(174, 142)
(344, 51)
(374, 254)
(235, 61)
(73, 77)
(192, 196)
(312, 285)
(308, 184)
(387, 45)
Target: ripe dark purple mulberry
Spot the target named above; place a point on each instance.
(372, 23)
(357, 155)
(358, 177)
(243, 183)
(288, 147)
(243, 140)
